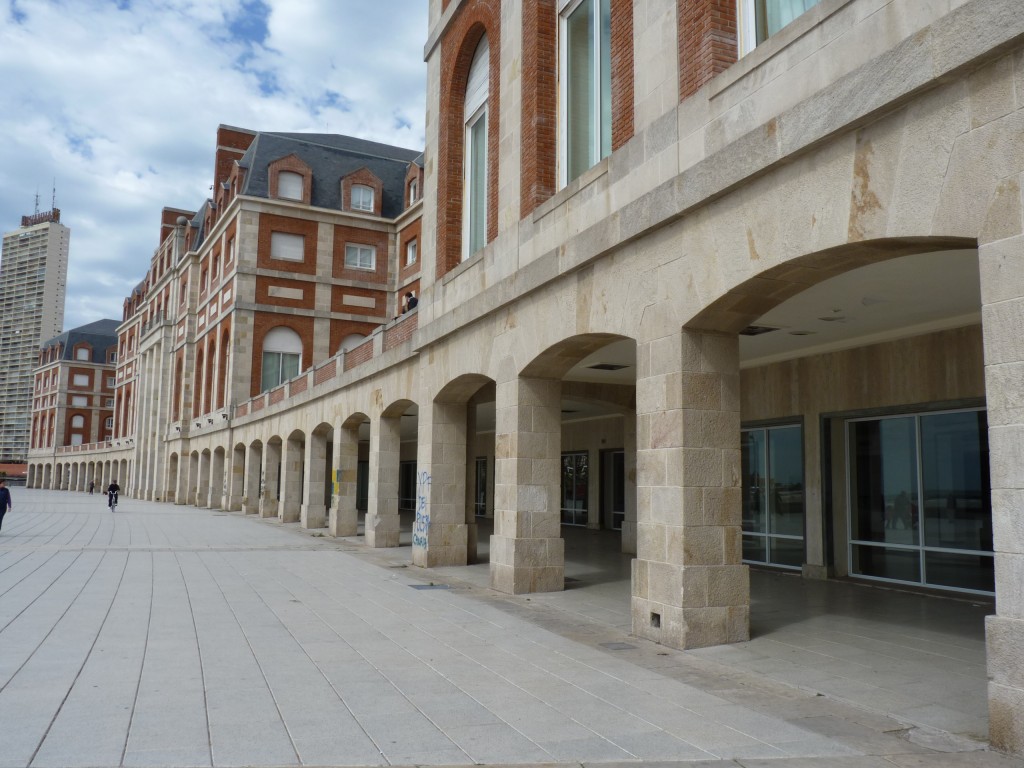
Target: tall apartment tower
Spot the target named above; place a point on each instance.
(33, 278)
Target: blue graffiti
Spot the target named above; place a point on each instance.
(421, 527)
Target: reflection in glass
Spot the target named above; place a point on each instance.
(886, 563)
(575, 479)
(786, 480)
(975, 572)
(954, 468)
(773, 495)
(753, 458)
(883, 472)
(480, 497)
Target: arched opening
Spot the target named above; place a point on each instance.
(218, 481)
(270, 500)
(211, 374)
(236, 479)
(317, 485)
(392, 487)
(570, 420)
(197, 387)
(351, 341)
(353, 475)
(171, 479)
(282, 357)
(193, 479)
(222, 368)
(203, 484)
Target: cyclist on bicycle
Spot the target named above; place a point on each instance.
(112, 491)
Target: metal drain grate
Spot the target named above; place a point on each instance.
(430, 586)
(617, 646)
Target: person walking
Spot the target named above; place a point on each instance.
(92, 486)
(5, 501)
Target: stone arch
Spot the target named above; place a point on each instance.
(317, 480)
(252, 490)
(203, 484)
(271, 471)
(218, 489)
(391, 437)
(235, 486)
(193, 479)
(171, 478)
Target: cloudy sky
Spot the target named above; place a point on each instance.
(119, 102)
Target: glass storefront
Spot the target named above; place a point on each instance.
(919, 501)
(773, 495)
(575, 480)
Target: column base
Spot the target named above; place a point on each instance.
(268, 508)
(446, 545)
(694, 606)
(343, 522)
(233, 503)
(521, 566)
(250, 506)
(382, 530)
(312, 516)
(289, 512)
(1004, 640)
(213, 501)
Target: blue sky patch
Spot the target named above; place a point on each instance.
(250, 24)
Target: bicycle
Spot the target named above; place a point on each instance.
(112, 500)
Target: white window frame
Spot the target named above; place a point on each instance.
(285, 250)
(83, 354)
(746, 18)
(282, 342)
(365, 202)
(354, 254)
(476, 108)
(109, 422)
(292, 177)
(565, 9)
(411, 252)
(81, 380)
(414, 191)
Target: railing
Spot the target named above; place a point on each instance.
(383, 339)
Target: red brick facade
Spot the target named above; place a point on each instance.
(269, 223)
(707, 41)
(364, 178)
(378, 240)
(294, 164)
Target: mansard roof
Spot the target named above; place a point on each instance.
(100, 335)
(331, 157)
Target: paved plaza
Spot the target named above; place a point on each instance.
(172, 636)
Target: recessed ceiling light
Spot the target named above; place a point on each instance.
(607, 367)
(757, 330)
(801, 333)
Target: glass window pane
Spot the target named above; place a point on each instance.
(788, 552)
(478, 184)
(271, 370)
(580, 74)
(289, 366)
(779, 13)
(975, 572)
(883, 481)
(753, 457)
(955, 475)
(885, 563)
(786, 480)
(754, 548)
(606, 78)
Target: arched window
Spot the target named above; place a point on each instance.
(351, 341)
(282, 353)
(474, 215)
(83, 353)
(289, 185)
(77, 422)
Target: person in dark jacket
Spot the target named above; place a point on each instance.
(5, 501)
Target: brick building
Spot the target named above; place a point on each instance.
(731, 282)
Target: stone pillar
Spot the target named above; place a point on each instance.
(344, 516)
(203, 487)
(1002, 296)
(527, 551)
(291, 480)
(439, 532)
(269, 501)
(382, 522)
(689, 587)
(313, 514)
(193, 479)
(253, 468)
(236, 478)
(629, 479)
(216, 493)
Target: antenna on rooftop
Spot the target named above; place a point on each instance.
(53, 205)
(37, 200)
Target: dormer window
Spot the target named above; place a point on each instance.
(82, 353)
(414, 191)
(362, 198)
(289, 185)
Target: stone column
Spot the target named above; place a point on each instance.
(1002, 296)
(313, 514)
(269, 501)
(253, 469)
(690, 589)
(439, 532)
(291, 480)
(527, 550)
(344, 516)
(629, 480)
(203, 486)
(382, 523)
(216, 493)
(233, 500)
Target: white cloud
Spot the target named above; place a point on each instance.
(119, 102)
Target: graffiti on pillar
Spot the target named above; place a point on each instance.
(421, 526)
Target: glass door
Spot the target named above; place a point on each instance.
(575, 480)
(773, 495)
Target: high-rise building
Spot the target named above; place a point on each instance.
(33, 279)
